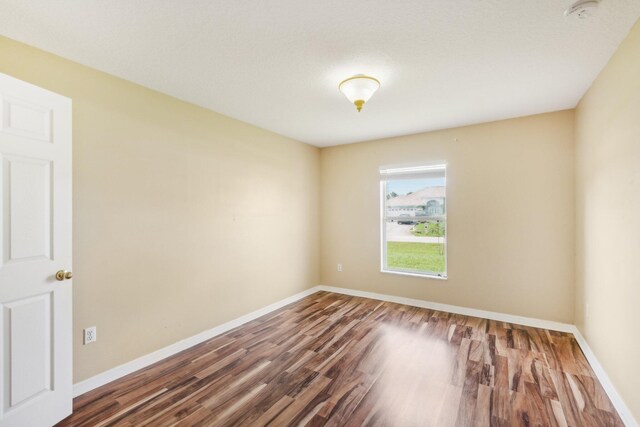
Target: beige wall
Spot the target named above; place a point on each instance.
(183, 218)
(510, 215)
(608, 218)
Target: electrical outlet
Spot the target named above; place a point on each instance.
(90, 335)
(339, 267)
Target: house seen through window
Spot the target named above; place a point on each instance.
(414, 220)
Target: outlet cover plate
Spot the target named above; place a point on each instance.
(90, 335)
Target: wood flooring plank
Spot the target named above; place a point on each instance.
(337, 360)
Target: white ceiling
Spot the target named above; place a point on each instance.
(277, 64)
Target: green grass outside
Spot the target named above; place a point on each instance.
(431, 229)
(416, 256)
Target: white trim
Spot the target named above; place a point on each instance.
(151, 358)
(399, 170)
(422, 275)
(383, 226)
(605, 381)
(616, 399)
(501, 317)
(156, 356)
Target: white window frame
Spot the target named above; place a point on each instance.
(410, 169)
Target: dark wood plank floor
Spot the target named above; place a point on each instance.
(337, 360)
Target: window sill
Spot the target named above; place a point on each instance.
(421, 275)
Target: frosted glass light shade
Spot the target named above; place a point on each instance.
(359, 89)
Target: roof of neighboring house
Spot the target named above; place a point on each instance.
(418, 198)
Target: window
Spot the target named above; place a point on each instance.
(414, 220)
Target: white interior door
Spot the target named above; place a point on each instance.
(35, 237)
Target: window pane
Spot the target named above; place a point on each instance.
(414, 209)
(416, 247)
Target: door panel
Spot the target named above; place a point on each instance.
(35, 236)
(29, 200)
(29, 322)
(25, 119)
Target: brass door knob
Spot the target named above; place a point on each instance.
(63, 274)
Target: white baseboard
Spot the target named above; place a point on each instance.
(500, 317)
(156, 356)
(605, 381)
(616, 399)
(151, 358)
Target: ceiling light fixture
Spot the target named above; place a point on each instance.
(359, 89)
(582, 9)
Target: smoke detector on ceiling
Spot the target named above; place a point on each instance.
(582, 9)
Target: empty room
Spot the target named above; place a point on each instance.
(336, 213)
